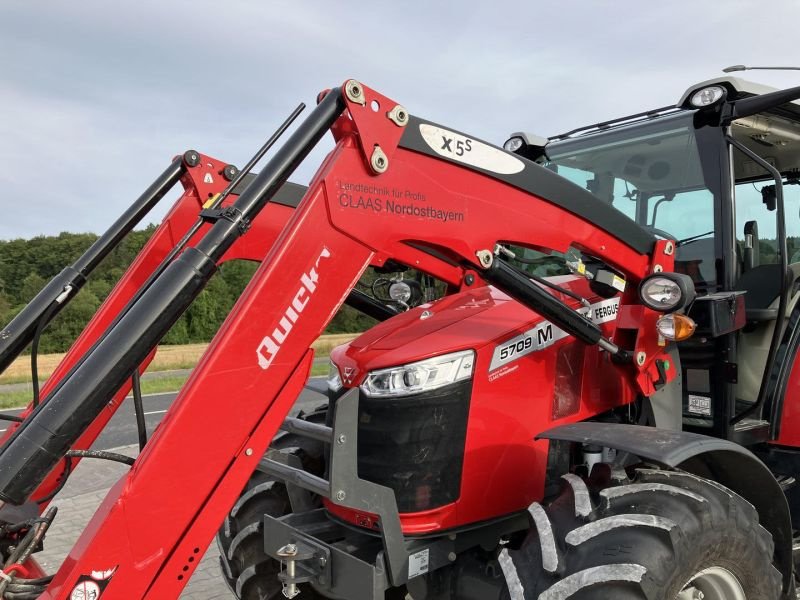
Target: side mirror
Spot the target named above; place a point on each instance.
(769, 197)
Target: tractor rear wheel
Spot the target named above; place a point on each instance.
(664, 535)
(250, 573)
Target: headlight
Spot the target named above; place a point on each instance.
(334, 379)
(666, 292)
(707, 96)
(419, 377)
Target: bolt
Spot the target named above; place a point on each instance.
(249, 452)
(354, 92)
(669, 248)
(451, 557)
(641, 357)
(340, 495)
(469, 279)
(287, 551)
(484, 257)
(658, 269)
(398, 116)
(379, 161)
(229, 172)
(342, 439)
(322, 561)
(191, 158)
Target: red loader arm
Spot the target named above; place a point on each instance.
(201, 182)
(394, 187)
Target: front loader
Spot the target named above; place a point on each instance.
(515, 439)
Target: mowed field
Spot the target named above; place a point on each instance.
(168, 358)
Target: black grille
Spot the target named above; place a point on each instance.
(415, 445)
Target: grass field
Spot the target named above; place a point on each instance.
(168, 358)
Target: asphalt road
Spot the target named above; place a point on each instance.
(121, 430)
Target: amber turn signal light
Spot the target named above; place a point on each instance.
(675, 327)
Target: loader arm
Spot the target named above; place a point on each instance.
(393, 187)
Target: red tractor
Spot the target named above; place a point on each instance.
(602, 406)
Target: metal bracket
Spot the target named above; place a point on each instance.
(377, 126)
(351, 492)
(344, 487)
(229, 213)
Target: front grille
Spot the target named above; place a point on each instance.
(415, 445)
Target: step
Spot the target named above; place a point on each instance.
(750, 431)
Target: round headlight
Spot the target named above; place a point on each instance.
(400, 291)
(513, 144)
(707, 96)
(666, 292)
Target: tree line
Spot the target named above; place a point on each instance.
(27, 265)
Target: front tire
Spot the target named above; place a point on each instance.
(664, 535)
(250, 573)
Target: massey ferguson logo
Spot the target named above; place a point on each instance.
(349, 373)
(270, 345)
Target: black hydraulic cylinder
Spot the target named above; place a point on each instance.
(16, 336)
(369, 306)
(522, 289)
(45, 437)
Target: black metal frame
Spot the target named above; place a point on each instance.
(338, 558)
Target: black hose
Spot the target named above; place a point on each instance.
(138, 409)
(43, 322)
(102, 455)
(64, 476)
(25, 548)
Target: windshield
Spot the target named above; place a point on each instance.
(651, 173)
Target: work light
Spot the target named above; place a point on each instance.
(513, 144)
(400, 291)
(707, 96)
(666, 292)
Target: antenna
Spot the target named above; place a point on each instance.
(733, 68)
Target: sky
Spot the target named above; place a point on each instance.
(96, 97)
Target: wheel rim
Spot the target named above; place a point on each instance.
(714, 583)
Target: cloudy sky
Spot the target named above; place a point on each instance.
(97, 96)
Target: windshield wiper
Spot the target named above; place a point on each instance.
(694, 238)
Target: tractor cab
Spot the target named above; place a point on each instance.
(724, 186)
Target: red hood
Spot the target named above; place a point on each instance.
(468, 319)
